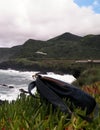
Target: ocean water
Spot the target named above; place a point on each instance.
(11, 81)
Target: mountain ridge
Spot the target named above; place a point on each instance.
(67, 45)
(66, 36)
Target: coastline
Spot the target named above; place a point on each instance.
(58, 67)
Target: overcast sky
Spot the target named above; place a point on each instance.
(21, 20)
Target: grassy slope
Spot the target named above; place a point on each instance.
(25, 114)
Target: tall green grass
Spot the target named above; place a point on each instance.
(27, 113)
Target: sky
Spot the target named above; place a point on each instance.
(21, 20)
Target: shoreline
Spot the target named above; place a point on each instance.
(57, 69)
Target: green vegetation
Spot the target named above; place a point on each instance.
(26, 114)
(65, 46)
(88, 76)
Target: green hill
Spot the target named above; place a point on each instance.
(7, 53)
(65, 46)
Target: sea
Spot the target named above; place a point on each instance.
(12, 81)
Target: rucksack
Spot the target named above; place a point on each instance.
(54, 91)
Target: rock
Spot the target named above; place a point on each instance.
(4, 85)
(11, 86)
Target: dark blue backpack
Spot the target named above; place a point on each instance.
(54, 91)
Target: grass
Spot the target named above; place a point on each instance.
(26, 114)
(88, 76)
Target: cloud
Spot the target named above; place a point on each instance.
(96, 3)
(96, 6)
(44, 19)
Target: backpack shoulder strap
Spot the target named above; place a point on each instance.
(31, 86)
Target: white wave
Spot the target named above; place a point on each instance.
(10, 95)
(24, 74)
(66, 77)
